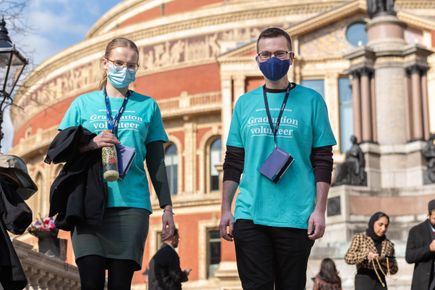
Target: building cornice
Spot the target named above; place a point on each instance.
(109, 20)
(128, 9)
(416, 21)
(415, 4)
(308, 25)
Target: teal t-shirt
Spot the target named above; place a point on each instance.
(304, 125)
(140, 124)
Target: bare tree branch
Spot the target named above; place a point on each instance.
(12, 11)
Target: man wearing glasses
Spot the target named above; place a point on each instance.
(281, 140)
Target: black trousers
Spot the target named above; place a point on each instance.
(271, 257)
(368, 282)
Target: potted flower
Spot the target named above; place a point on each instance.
(43, 227)
(46, 232)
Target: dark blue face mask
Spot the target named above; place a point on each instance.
(274, 68)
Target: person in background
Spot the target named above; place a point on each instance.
(420, 250)
(134, 120)
(327, 278)
(164, 268)
(373, 254)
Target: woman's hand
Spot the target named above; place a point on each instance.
(371, 256)
(168, 225)
(104, 139)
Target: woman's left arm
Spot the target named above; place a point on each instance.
(155, 160)
(392, 261)
(393, 264)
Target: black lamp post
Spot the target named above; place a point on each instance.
(12, 64)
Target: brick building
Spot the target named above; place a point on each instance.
(196, 58)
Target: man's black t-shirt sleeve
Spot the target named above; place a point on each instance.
(321, 161)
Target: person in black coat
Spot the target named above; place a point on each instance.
(164, 269)
(15, 216)
(420, 250)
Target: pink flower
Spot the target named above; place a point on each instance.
(42, 225)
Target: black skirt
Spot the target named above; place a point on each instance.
(122, 236)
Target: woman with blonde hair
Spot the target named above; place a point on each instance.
(118, 115)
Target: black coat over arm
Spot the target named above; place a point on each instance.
(164, 270)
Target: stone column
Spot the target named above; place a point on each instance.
(189, 157)
(417, 117)
(373, 107)
(367, 133)
(386, 39)
(356, 105)
(332, 100)
(425, 104)
(227, 107)
(227, 270)
(294, 72)
(408, 111)
(390, 103)
(239, 86)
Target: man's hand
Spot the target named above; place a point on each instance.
(226, 225)
(316, 225)
(168, 225)
(432, 246)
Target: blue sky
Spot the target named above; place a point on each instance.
(53, 26)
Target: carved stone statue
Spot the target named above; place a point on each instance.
(380, 7)
(429, 154)
(351, 171)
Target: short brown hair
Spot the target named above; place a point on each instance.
(273, 32)
(114, 43)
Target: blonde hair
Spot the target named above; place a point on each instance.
(115, 43)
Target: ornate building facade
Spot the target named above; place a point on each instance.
(198, 56)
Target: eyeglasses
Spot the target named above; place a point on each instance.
(119, 64)
(280, 54)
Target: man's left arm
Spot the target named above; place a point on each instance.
(316, 223)
(322, 162)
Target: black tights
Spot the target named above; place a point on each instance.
(92, 271)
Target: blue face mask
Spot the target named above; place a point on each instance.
(274, 68)
(120, 78)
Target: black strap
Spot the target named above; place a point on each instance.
(281, 111)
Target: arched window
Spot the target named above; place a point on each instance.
(171, 161)
(215, 159)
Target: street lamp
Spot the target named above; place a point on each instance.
(12, 64)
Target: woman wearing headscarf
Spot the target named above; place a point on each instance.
(373, 254)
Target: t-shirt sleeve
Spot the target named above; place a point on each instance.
(322, 132)
(234, 135)
(156, 132)
(72, 116)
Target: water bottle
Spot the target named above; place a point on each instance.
(110, 163)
